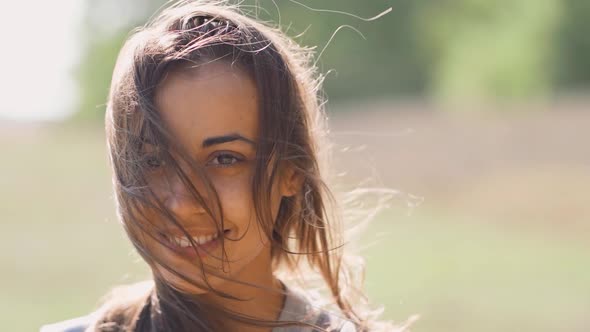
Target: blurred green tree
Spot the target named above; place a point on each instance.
(107, 24)
(382, 65)
(479, 49)
(572, 63)
(449, 49)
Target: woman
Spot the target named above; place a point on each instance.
(214, 128)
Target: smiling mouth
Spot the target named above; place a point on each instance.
(201, 240)
(205, 244)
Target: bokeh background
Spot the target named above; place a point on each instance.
(472, 116)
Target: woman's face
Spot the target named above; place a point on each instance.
(212, 111)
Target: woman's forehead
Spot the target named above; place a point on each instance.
(211, 100)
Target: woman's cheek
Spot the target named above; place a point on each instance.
(236, 198)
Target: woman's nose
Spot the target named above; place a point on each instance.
(180, 200)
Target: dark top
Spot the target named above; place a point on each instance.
(296, 308)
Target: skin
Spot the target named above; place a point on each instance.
(212, 100)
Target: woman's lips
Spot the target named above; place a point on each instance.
(202, 250)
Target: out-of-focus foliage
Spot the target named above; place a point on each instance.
(449, 49)
(573, 46)
(107, 24)
(480, 48)
(95, 75)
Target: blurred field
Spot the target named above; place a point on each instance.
(500, 242)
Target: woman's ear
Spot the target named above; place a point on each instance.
(291, 181)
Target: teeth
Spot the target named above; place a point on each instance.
(184, 242)
(200, 240)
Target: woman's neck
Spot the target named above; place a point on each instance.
(264, 302)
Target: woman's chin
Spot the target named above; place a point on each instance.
(187, 287)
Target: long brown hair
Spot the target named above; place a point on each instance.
(304, 236)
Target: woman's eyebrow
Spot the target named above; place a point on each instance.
(224, 139)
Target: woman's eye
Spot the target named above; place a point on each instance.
(224, 160)
(153, 161)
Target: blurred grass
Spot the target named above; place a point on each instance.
(459, 274)
(465, 275)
